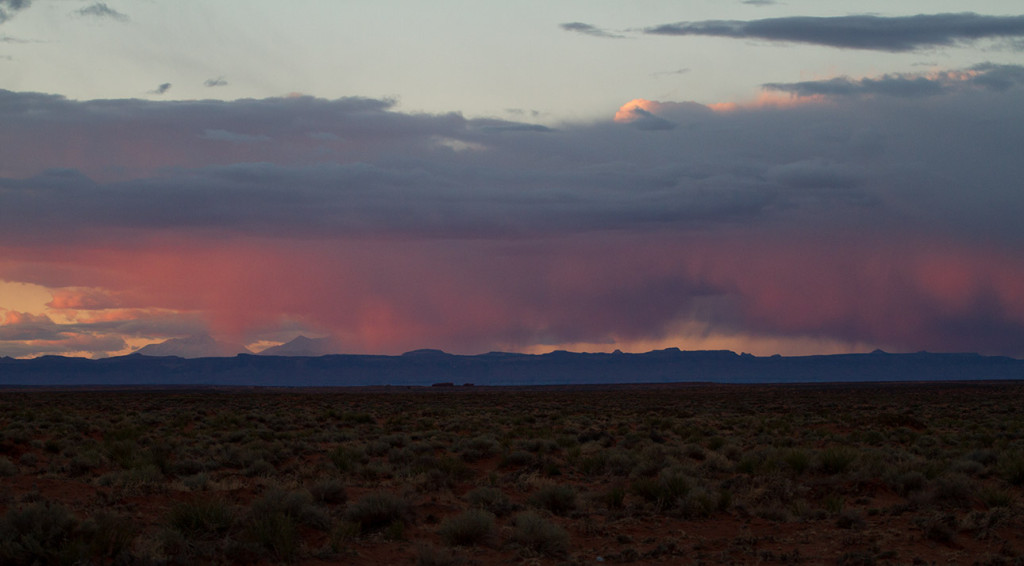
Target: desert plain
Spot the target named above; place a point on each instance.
(880, 473)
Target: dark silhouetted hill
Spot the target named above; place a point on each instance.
(425, 367)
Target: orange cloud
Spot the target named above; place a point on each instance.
(80, 298)
(12, 318)
(628, 111)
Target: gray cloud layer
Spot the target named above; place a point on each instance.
(904, 33)
(311, 167)
(987, 76)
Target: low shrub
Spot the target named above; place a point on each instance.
(955, 490)
(447, 472)
(797, 460)
(615, 497)
(490, 498)
(376, 511)
(1011, 468)
(938, 528)
(850, 519)
(835, 460)
(346, 459)
(201, 518)
(41, 533)
(276, 533)
(467, 529)
(559, 499)
(296, 505)
(478, 448)
(109, 535)
(539, 535)
(329, 491)
(993, 497)
(665, 491)
(908, 482)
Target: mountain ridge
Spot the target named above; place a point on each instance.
(426, 367)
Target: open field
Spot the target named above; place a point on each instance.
(688, 474)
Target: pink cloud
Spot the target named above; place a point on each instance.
(82, 299)
(391, 296)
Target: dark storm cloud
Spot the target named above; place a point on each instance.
(161, 89)
(904, 33)
(101, 10)
(890, 85)
(9, 7)
(587, 29)
(219, 81)
(412, 200)
(988, 76)
(308, 167)
(998, 77)
(814, 174)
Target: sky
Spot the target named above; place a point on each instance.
(793, 177)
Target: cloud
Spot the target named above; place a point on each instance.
(219, 81)
(587, 29)
(655, 115)
(988, 76)
(902, 33)
(161, 89)
(74, 345)
(82, 298)
(233, 137)
(101, 10)
(759, 2)
(645, 120)
(9, 7)
(814, 174)
(862, 219)
(99, 330)
(26, 326)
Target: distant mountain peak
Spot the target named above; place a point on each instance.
(198, 346)
(304, 347)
